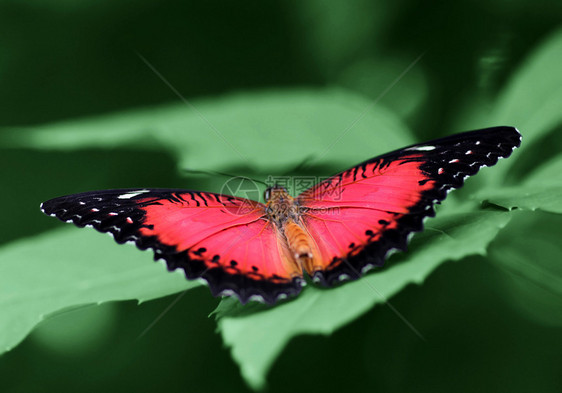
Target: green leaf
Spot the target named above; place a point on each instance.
(541, 190)
(257, 336)
(69, 268)
(546, 198)
(269, 131)
(531, 101)
(65, 269)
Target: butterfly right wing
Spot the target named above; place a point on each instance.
(224, 240)
(360, 215)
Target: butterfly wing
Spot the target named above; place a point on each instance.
(358, 216)
(224, 240)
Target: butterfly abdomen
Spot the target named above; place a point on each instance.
(299, 241)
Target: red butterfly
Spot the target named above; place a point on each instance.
(335, 231)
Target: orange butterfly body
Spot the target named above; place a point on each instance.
(283, 210)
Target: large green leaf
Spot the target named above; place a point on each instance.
(257, 334)
(68, 268)
(269, 130)
(541, 190)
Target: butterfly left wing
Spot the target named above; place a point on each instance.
(359, 215)
(221, 239)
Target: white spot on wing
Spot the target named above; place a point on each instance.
(366, 268)
(132, 194)
(227, 292)
(421, 148)
(410, 236)
(258, 298)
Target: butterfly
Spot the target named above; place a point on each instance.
(335, 231)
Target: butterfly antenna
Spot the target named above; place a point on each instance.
(302, 166)
(224, 174)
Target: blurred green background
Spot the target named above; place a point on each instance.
(438, 67)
